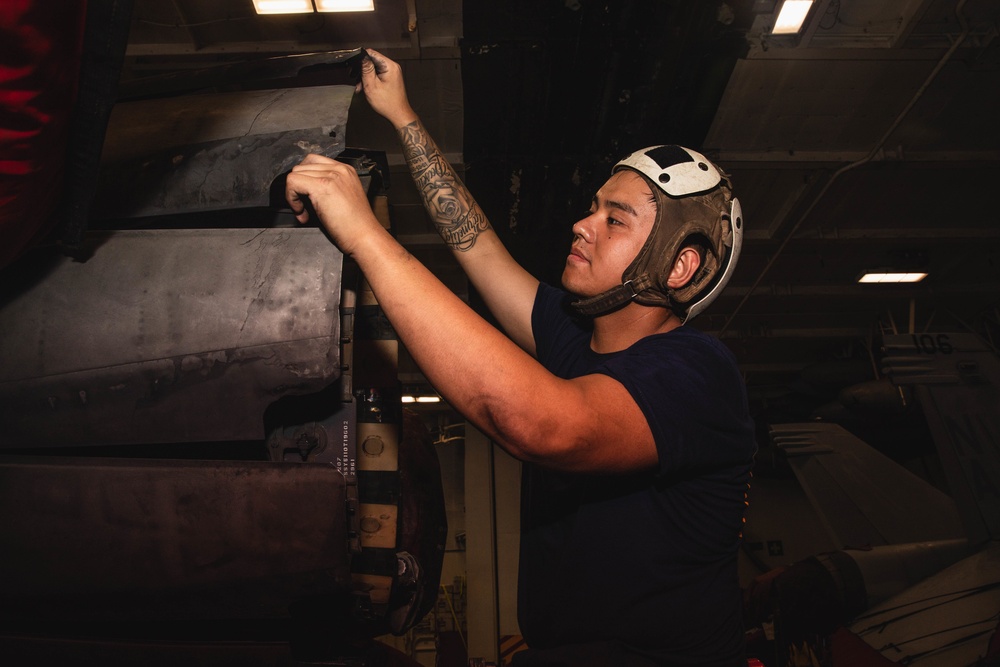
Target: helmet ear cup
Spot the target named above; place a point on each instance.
(703, 223)
(734, 244)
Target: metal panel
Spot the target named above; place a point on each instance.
(126, 539)
(205, 152)
(168, 336)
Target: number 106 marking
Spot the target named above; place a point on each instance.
(933, 344)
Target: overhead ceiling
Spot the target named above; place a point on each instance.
(870, 140)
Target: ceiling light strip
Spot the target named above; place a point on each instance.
(309, 6)
(888, 277)
(791, 17)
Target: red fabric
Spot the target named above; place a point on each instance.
(40, 44)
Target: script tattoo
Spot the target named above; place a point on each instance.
(455, 213)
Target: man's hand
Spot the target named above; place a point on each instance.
(336, 195)
(382, 82)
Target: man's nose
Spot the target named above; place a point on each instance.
(584, 228)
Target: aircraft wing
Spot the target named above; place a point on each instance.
(862, 496)
(945, 620)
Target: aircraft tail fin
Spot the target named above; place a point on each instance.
(956, 380)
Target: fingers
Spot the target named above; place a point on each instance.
(296, 203)
(314, 161)
(317, 176)
(369, 74)
(378, 61)
(370, 69)
(376, 65)
(297, 185)
(316, 158)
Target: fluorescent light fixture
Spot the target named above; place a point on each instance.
(883, 277)
(420, 399)
(345, 5)
(791, 16)
(283, 6)
(307, 7)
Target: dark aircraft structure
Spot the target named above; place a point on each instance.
(204, 455)
(912, 575)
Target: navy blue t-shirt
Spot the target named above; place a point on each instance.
(645, 561)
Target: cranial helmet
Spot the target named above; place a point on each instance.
(694, 207)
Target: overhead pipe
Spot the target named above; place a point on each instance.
(854, 165)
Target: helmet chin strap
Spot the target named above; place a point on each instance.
(614, 298)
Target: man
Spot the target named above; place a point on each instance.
(634, 429)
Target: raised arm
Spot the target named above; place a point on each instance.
(507, 289)
(528, 411)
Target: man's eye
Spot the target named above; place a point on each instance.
(612, 221)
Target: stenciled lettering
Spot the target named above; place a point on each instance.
(931, 344)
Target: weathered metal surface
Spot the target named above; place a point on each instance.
(211, 151)
(168, 336)
(126, 539)
(322, 67)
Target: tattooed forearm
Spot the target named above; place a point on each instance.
(454, 212)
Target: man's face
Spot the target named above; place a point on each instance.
(609, 238)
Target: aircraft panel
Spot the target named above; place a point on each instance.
(123, 538)
(957, 380)
(944, 621)
(167, 336)
(864, 497)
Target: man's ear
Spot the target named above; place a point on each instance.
(685, 267)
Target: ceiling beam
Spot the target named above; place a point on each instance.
(777, 159)
(857, 291)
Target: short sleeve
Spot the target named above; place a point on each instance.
(692, 395)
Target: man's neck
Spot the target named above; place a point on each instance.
(622, 328)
